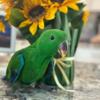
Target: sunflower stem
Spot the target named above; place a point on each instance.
(73, 42)
(57, 21)
(65, 27)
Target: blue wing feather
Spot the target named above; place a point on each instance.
(16, 72)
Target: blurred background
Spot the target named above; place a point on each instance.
(89, 47)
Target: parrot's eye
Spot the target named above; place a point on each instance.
(52, 37)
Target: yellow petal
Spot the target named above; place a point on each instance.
(36, 2)
(33, 28)
(85, 16)
(2, 27)
(73, 6)
(46, 2)
(25, 23)
(8, 12)
(63, 9)
(51, 13)
(41, 23)
(31, 3)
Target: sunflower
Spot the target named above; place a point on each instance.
(8, 5)
(85, 16)
(34, 14)
(2, 26)
(61, 5)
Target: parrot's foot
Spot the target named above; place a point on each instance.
(46, 87)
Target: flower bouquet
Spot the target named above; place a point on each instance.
(33, 18)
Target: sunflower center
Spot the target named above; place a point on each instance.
(58, 1)
(36, 11)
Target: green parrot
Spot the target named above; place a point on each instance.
(30, 64)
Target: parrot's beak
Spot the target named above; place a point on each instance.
(63, 45)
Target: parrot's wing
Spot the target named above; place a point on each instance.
(16, 68)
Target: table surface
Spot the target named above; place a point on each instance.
(86, 86)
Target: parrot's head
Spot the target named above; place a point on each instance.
(50, 41)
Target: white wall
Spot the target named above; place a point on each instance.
(94, 5)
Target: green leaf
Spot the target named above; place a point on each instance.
(56, 23)
(74, 41)
(16, 17)
(65, 27)
(72, 14)
(77, 21)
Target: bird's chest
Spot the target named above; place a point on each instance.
(34, 69)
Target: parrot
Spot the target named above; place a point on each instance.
(29, 65)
